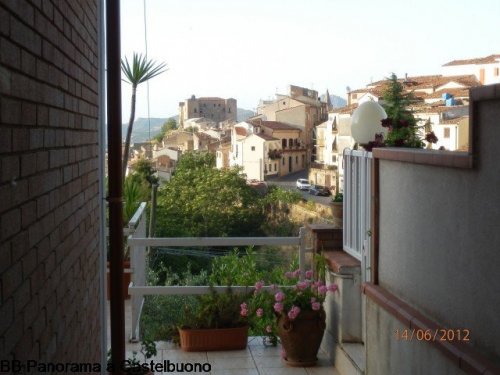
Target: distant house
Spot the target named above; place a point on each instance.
(301, 108)
(485, 69)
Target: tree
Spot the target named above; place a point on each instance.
(141, 70)
(201, 200)
(403, 128)
(168, 126)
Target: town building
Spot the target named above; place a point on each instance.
(301, 108)
(485, 69)
(211, 108)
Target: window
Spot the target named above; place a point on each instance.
(497, 72)
(229, 110)
(253, 148)
(283, 161)
(284, 102)
(290, 142)
(195, 110)
(354, 96)
(446, 133)
(283, 143)
(214, 105)
(334, 158)
(296, 160)
(275, 167)
(270, 167)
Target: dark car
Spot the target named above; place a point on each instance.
(319, 190)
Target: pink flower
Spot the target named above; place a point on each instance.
(294, 311)
(313, 299)
(332, 287)
(243, 306)
(322, 289)
(260, 312)
(296, 273)
(244, 312)
(278, 307)
(269, 329)
(309, 274)
(259, 285)
(316, 306)
(302, 285)
(272, 286)
(280, 296)
(288, 275)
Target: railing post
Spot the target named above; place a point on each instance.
(302, 252)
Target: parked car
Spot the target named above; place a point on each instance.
(319, 190)
(303, 184)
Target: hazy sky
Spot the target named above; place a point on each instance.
(251, 49)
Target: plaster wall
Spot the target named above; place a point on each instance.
(395, 356)
(439, 237)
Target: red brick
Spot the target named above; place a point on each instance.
(6, 140)
(11, 280)
(28, 115)
(5, 24)
(11, 223)
(28, 164)
(20, 140)
(10, 111)
(20, 8)
(7, 314)
(11, 54)
(22, 295)
(9, 168)
(28, 214)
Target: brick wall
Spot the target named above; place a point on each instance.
(49, 207)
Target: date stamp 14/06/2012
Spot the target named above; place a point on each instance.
(438, 334)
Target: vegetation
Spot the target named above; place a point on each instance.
(167, 127)
(203, 201)
(140, 70)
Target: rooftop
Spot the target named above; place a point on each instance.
(491, 59)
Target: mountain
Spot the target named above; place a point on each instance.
(140, 131)
(243, 114)
(337, 101)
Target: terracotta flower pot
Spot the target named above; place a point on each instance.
(301, 337)
(337, 209)
(197, 340)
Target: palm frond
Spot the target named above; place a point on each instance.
(141, 69)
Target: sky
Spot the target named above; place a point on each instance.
(251, 49)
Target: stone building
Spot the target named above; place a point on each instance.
(211, 108)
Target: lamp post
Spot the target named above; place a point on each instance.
(365, 122)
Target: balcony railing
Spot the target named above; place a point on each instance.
(138, 244)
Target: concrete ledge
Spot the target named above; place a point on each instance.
(464, 356)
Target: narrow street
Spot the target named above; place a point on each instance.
(288, 182)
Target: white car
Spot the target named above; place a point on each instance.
(303, 184)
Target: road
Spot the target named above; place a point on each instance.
(288, 182)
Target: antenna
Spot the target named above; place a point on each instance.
(348, 89)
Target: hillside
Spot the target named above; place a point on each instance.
(140, 133)
(337, 101)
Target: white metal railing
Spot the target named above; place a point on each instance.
(357, 206)
(138, 288)
(137, 227)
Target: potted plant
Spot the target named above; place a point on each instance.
(133, 365)
(295, 314)
(215, 324)
(337, 205)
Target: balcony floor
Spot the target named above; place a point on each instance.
(256, 359)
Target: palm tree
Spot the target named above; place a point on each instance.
(139, 71)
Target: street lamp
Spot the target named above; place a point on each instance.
(365, 122)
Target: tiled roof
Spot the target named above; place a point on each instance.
(457, 93)
(454, 120)
(240, 131)
(266, 137)
(346, 109)
(276, 125)
(421, 82)
(491, 59)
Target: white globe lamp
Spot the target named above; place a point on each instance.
(365, 122)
